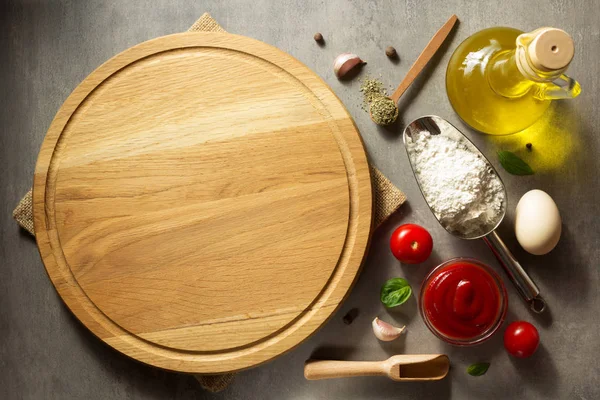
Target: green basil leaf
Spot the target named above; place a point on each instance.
(478, 369)
(513, 164)
(395, 292)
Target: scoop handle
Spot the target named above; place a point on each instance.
(522, 281)
(328, 369)
(426, 55)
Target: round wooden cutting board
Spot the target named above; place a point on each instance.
(202, 202)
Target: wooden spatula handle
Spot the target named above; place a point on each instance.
(426, 55)
(328, 369)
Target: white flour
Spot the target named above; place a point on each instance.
(463, 191)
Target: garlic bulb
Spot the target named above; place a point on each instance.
(386, 332)
(344, 63)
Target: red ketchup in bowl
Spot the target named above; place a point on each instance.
(463, 301)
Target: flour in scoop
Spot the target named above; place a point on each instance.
(464, 192)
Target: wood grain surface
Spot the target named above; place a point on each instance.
(202, 202)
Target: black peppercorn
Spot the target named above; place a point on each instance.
(350, 316)
(318, 37)
(391, 52)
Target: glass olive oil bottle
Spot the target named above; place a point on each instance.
(501, 80)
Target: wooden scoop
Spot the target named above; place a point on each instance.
(401, 368)
(426, 55)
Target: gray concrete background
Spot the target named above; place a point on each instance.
(48, 47)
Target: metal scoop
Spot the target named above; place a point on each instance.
(524, 284)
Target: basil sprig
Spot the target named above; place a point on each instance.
(478, 369)
(395, 292)
(513, 164)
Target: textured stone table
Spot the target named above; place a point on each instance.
(48, 47)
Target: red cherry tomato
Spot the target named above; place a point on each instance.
(411, 244)
(521, 339)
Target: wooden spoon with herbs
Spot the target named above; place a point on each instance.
(384, 110)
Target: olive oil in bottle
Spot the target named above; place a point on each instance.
(501, 80)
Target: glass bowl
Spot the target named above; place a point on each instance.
(500, 312)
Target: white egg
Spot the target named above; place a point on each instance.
(537, 222)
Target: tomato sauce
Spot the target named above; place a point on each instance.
(462, 300)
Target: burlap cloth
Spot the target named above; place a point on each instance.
(387, 199)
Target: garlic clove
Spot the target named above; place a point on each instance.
(346, 62)
(386, 332)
